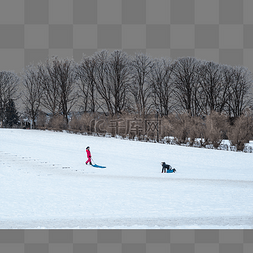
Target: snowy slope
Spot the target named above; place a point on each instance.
(44, 183)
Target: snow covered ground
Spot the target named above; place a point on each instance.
(44, 183)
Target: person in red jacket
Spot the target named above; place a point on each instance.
(88, 156)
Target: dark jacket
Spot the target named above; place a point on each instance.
(166, 166)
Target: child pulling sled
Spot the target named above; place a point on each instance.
(88, 156)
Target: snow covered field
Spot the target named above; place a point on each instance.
(44, 183)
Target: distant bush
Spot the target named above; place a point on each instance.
(242, 130)
(57, 122)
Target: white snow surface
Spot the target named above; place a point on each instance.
(44, 183)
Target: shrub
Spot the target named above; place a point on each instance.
(216, 127)
(57, 122)
(242, 130)
(41, 120)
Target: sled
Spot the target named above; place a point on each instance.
(171, 171)
(98, 166)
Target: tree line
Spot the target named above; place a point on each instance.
(116, 83)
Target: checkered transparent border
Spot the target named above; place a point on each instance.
(217, 30)
(126, 241)
(44, 28)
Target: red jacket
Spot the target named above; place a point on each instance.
(88, 153)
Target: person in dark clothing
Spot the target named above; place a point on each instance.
(166, 167)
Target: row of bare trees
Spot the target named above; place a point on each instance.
(115, 83)
(200, 87)
(50, 86)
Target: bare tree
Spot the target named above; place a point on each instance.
(51, 89)
(240, 91)
(106, 75)
(162, 85)
(101, 80)
(185, 73)
(32, 92)
(119, 77)
(8, 90)
(58, 78)
(213, 90)
(85, 72)
(239, 80)
(140, 87)
(66, 77)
